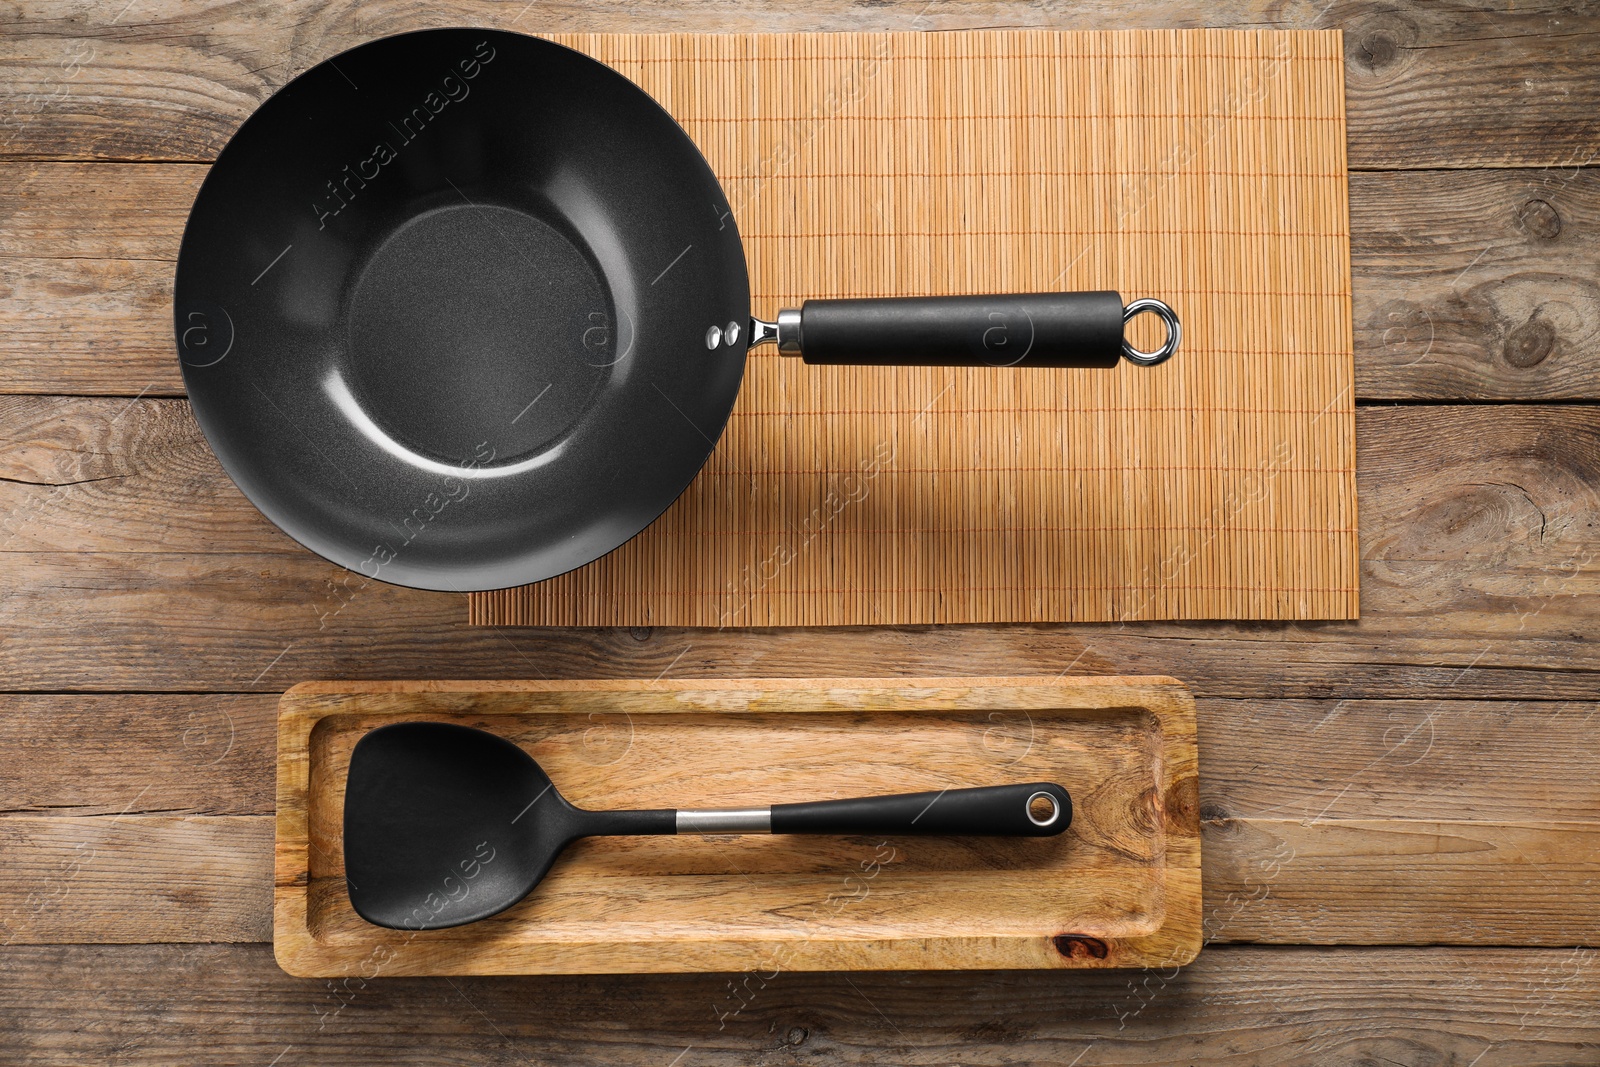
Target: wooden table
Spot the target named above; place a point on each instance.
(1402, 814)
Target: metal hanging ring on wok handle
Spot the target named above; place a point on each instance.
(1174, 332)
(1023, 330)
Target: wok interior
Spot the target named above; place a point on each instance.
(455, 358)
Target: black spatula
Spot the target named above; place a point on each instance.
(445, 825)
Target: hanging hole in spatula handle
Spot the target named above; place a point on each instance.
(1032, 809)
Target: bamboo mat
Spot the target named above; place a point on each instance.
(1206, 168)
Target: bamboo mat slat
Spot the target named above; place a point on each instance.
(1204, 167)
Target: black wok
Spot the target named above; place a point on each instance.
(462, 309)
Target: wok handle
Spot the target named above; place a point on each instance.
(1024, 330)
(1031, 809)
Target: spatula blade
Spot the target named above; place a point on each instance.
(439, 825)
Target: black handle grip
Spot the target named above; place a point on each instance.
(991, 811)
(1025, 330)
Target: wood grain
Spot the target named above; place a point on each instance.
(88, 755)
(1391, 881)
(1439, 86)
(128, 475)
(1327, 821)
(1467, 284)
(1480, 563)
(219, 1004)
(108, 622)
(1330, 881)
(1428, 86)
(1487, 761)
(87, 253)
(1476, 285)
(1496, 761)
(151, 878)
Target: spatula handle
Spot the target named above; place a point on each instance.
(1031, 809)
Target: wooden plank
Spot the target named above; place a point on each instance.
(1300, 760)
(111, 319)
(1467, 285)
(222, 1004)
(1326, 821)
(1509, 762)
(1272, 881)
(136, 878)
(1401, 881)
(1427, 86)
(1476, 285)
(87, 253)
(109, 622)
(1479, 578)
(1437, 816)
(209, 754)
(138, 474)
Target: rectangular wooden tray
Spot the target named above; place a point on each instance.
(1120, 889)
